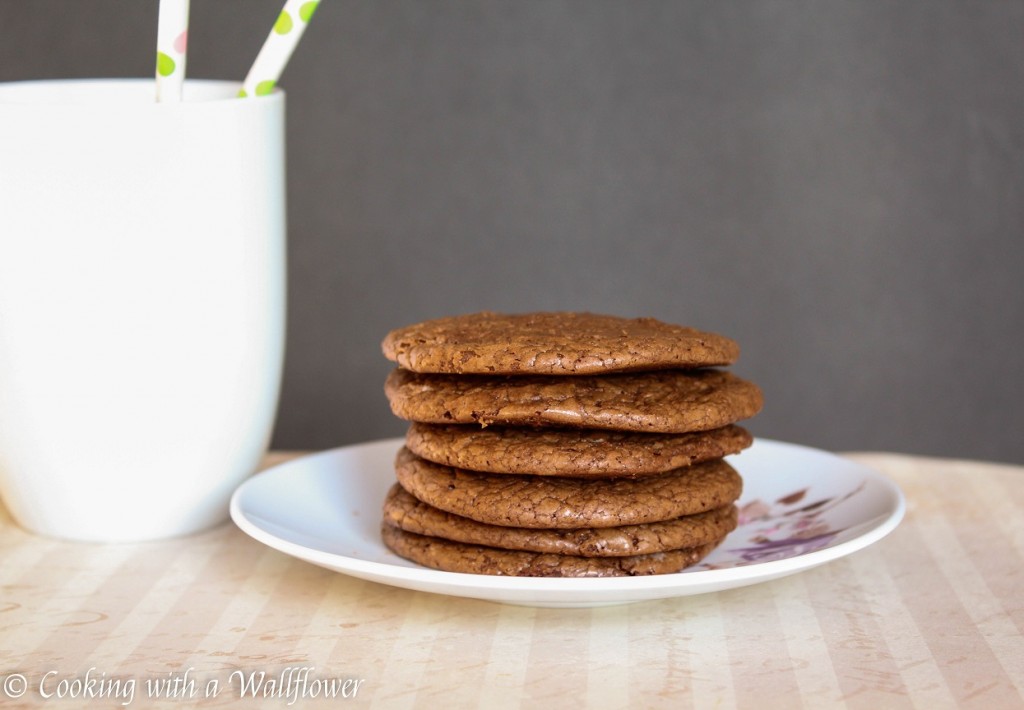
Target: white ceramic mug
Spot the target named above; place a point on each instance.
(142, 303)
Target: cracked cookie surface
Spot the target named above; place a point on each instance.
(668, 401)
(406, 512)
(478, 559)
(552, 343)
(570, 452)
(556, 502)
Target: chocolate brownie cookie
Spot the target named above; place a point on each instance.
(552, 343)
(570, 452)
(556, 502)
(406, 512)
(478, 559)
(667, 401)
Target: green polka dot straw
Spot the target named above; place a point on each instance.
(171, 44)
(278, 48)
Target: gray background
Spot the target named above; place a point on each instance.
(836, 185)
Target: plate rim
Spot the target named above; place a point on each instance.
(562, 589)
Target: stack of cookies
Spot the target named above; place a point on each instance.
(563, 444)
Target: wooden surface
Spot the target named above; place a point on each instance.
(930, 617)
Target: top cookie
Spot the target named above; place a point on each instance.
(552, 344)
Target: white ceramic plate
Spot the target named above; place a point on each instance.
(801, 507)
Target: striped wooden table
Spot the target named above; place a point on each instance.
(930, 617)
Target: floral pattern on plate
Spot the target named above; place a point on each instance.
(803, 507)
(787, 527)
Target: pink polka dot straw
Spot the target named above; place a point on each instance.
(171, 46)
(278, 48)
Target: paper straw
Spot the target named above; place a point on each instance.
(171, 45)
(277, 50)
